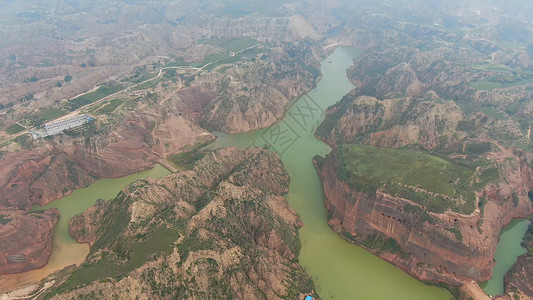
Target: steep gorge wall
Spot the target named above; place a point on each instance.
(25, 239)
(426, 249)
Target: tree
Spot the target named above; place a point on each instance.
(28, 97)
(2, 106)
(59, 84)
(68, 78)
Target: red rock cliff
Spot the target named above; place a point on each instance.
(25, 239)
(427, 250)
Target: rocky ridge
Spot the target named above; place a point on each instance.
(448, 247)
(224, 230)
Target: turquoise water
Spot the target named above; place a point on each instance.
(507, 252)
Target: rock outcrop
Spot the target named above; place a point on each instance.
(256, 94)
(54, 168)
(40, 171)
(429, 121)
(25, 239)
(447, 247)
(221, 230)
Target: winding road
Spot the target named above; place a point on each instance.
(159, 74)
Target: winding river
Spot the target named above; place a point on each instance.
(339, 269)
(65, 250)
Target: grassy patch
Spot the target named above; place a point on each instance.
(422, 214)
(148, 85)
(492, 67)
(379, 243)
(229, 60)
(431, 181)
(250, 53)
(51, 113)
(485, 85)
(110, 106)
(15, 128)
(456, 232)
(4, 219)
(492, 112)
(101, 92)
(140, 75)
(214, 57)
(477, 148)
(186, 160)
(232, 44)
(504, 79)
(159, 240)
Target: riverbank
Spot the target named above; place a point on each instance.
(65, 250)
(339, 269)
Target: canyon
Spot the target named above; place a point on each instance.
(448, 85)
(224, 228)
(404, 233)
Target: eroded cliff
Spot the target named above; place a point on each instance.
(402, 222)
(223, 229)
(25, 239)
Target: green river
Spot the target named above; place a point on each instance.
(339, 269)
(65, 250)
(507, 253)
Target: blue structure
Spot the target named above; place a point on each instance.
(308, 298)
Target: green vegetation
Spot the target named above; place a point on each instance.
(379, 243)
(477, 148)
(15, 128)
(148, 84)
(456, 232)
(103, 91)
(492, 112)
(4, 219)
(51, 113)
(422, 214)
(112, 264)
(140, 75)
(186, 160)
(485, 85)
(492, 67)
(232, 44)
(214, 57)
(249, 53)
(515, 200)
(503, 79)
(527, 241)
(509, 44)
(68, 78)
(431, 181)
(110, 106)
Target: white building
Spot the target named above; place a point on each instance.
(54, 128)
